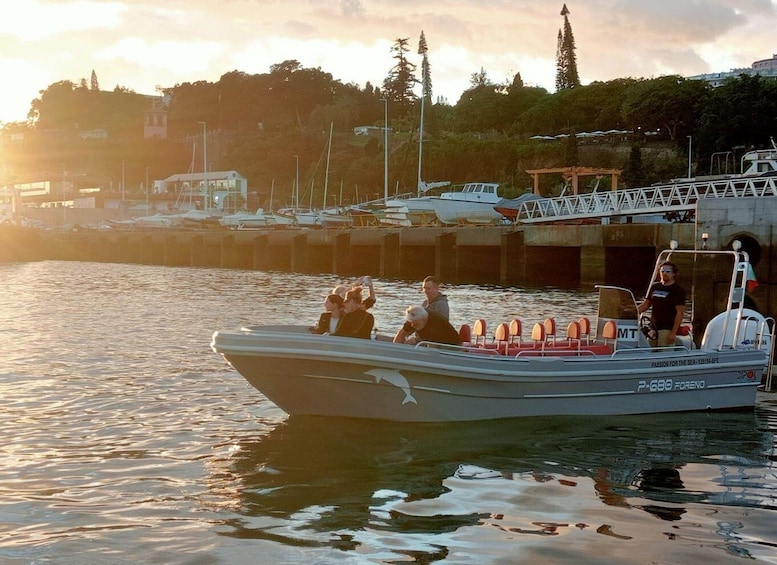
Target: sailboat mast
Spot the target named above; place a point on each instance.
(328, 153)
(422, 50)
(295, 188)
(421, 139)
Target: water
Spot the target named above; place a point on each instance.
(126, 440)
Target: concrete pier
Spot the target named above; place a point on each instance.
(537, 255)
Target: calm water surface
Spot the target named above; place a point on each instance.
(127, 440)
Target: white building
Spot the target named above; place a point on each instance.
(218, 190)
(766, 68)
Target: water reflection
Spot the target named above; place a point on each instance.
(127, 436)
(348, 476)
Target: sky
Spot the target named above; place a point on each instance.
(145, 44)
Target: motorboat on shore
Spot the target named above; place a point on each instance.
(607, 369)
(247, 220)
(511, 207)
(473, 204)
(409, 212)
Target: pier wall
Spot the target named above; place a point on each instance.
(535, 255)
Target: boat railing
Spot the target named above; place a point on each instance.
(770, 327)
(400, 197)
(462, 349)
(651, 351)
(558, 352)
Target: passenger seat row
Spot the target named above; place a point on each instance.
(509, 335)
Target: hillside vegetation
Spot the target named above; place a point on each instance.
(265, 125)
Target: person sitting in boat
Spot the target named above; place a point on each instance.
(356, 322)
(427, 325)
(366, 282)
(331, 316)
(667, 302)
(361, 283)
(340, 290)
(435, 301)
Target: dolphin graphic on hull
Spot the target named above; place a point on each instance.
(393, 377)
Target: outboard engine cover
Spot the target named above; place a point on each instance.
(751, 326)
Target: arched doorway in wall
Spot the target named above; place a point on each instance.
(750, 245)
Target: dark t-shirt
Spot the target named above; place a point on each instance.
(437, 329)
(355, 324)
(663, 302)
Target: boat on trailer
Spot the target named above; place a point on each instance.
(609, 369)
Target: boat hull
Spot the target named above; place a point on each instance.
(410, 212)
(450, 211)
(330, 376)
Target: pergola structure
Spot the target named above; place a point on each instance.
(573, 174)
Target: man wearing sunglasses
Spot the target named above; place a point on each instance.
(667, 299)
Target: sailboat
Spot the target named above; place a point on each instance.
(249, 220)
(325, 216)
(337, 217)
(284, 217)
(417, 210)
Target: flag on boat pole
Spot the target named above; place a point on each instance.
(752, 281)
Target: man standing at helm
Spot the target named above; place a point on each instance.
(667, 299)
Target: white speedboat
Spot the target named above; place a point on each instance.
(336, 218)
(247, 220)
(285, 217)
(613, 371)
(408, 212)
(473, 204)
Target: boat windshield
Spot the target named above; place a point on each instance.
(617, 303)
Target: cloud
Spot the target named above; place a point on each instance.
(34, 20)
(142, 43)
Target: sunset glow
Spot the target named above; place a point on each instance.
(141, 44)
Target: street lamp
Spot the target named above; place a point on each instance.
(205, 162)
(690, 145)
(64, 212)
(122, 180)
(385, 149)
(147, 168)
(296, 183)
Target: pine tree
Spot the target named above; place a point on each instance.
(560, 64)
(571, 155)
(566, 60)
(426, 77)
(634, 172)
(95, 85)
(398, 85)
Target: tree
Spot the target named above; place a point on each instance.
(398, 85)
(571, 156)
(560, 64)
(670, 103)
(634, 173)
(566, 60)
(480, 79)
(426, 78)
(94, 84)
(426, 86)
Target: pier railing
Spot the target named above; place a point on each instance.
(658, 199)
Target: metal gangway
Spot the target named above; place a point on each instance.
(680, 196)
